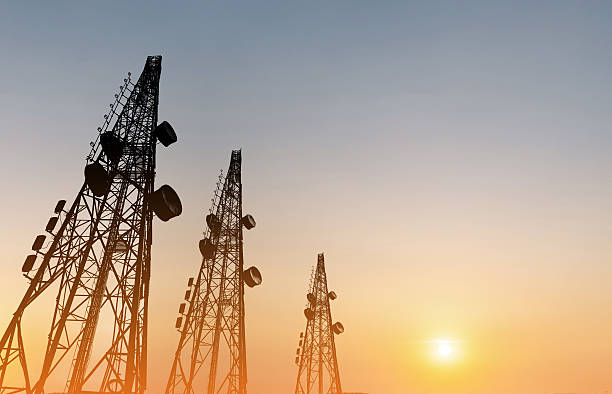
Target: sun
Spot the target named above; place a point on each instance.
(445, 350)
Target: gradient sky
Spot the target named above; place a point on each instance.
(450, 158)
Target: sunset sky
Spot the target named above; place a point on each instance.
(452, 160)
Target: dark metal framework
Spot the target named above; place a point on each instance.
(101, 257)
(212, 327)
(316, 356)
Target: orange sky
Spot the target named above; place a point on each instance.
(530, 316)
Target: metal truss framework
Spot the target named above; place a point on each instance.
(212, 326)
(101, 257)
(316, 356)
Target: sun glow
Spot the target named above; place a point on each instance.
(444, 350)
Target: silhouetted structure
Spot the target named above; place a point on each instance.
(316, 354)
(211, 323)
(101, 256)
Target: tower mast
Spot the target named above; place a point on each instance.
(101, 255)
(212, 321)
(316, 355)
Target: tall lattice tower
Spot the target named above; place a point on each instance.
(100, 257)
(211, 322)
(316, 354)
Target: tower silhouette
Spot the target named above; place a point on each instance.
(316, 354)
(100, 257)
(211, 322)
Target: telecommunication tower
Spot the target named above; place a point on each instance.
(316, 354)
(99, 255)
(211, 322)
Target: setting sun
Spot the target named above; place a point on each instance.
(445, 350)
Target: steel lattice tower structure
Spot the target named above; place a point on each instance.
(101, 257)
(316, 354)
(211, 323)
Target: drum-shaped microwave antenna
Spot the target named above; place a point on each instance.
(252, 277)
(213, 222)
(248, 222)
(207, 248)
(309, 313)
(112, 146)
(165, 134)
(97, 179)
(166, 203)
